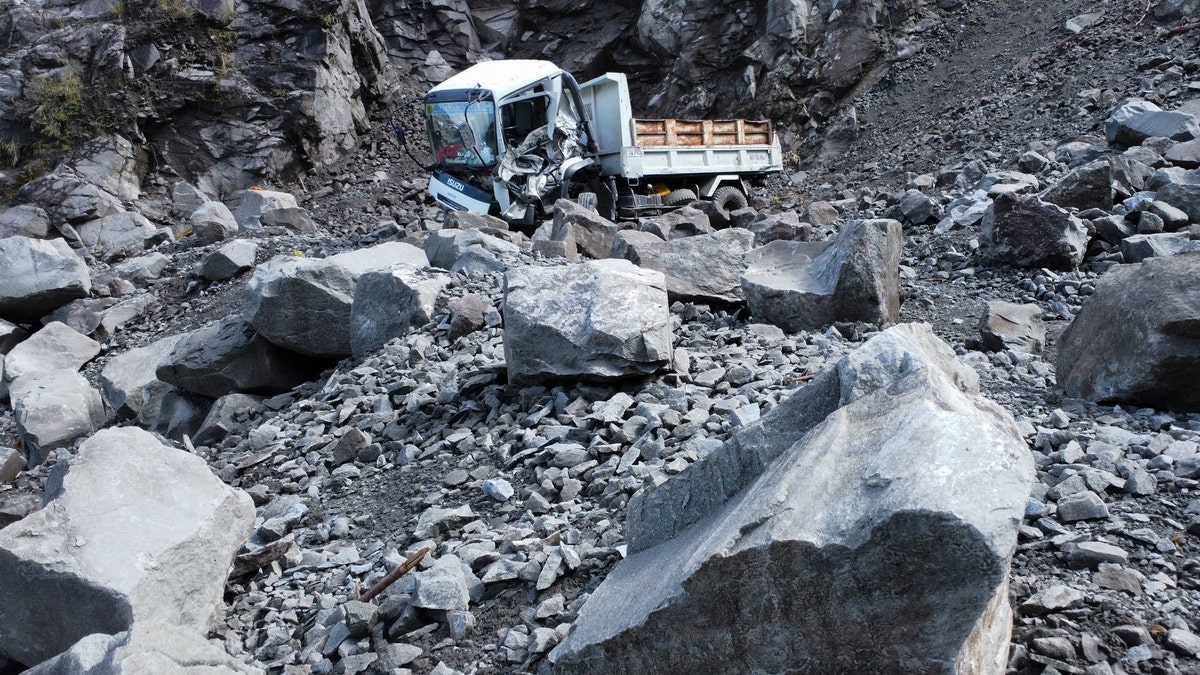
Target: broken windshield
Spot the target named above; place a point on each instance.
(451, 146)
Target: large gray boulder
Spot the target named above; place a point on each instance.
(1085, 187)
(134, 534)
(705, 267)
(39, 276)
(599, 320)
(117, 235)
(854, 276)
(229, 261)
(869, 527)
(1136, 120)
(1179, 188)
(213, 222)
(593, 233)
(1139, 247)
(387, 303)
(56, 346)
(144, 650)
(303, 304)
(229, 356)
(1137, 339)
(257, 203)
(24, 220)
(130, 382)
(1006, 325)
(468, 250)
(52, 409)
(1024, 231)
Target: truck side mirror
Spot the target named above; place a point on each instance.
(468, 136)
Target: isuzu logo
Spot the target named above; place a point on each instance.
(456, 184)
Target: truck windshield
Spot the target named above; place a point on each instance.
(446, 121)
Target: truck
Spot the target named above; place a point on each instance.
(512, 137)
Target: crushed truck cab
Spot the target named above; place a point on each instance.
(512, 137)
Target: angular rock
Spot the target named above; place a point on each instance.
(304, 304)
(117, 235)
(706, 267)
(293, 218)
(24, 220)
(1085, 505)
(11, 335)
(52, 409)
(443, 586)
(556, 239)
(1136, 120)
(593, 233)
(1186, 155)
(1025, 231)
(1179, 188)
(854, 276)
(222, 418)
(1137, 338)
(786, 226)
(56, 346)
(130, 382)
(12, 462)
(1085, 187)
(69, 573)
(213, 222)
(1139, 247)
(598, 320)
(39, 276)
(256, 203)
(228, 356)
(881, 539)
(387, 303)
(144, 650)
(1010, 326)
(918, 208)
(229, 261)
(468, 250)
(185, 199)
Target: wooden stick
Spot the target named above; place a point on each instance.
(1182, 29)
(395, 574)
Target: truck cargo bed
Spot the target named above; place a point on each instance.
(658, 133)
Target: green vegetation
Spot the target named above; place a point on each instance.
(55, 107)
(176, 9)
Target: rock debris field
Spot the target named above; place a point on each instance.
(925, 422)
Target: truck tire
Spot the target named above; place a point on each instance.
(728, 199)
(587, 200)
(680, 196)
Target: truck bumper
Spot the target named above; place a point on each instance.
(458, 195)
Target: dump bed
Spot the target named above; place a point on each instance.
(634, 148)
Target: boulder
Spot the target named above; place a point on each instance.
(53, 409)
(769, 227)
(1025, 231)
(39, 276)
(114, 164)
(854, 276)
(1136, 120)
(130, 382)
(229, 261)
(256, 203)
(1137, 338)
(1180, 188)
(228, 356)
(185, 199)
(12, 462)
(81, 315)
(918, 208)
(1139, 247)
(1086, 187)
(213, 222)
(303, 304)
(599, 320)
(593, 232)
(1006, 325)
(869, 527)
(134, 534)
(292, 218)
(685, 221)
(556, 240)
(468, 250)
(56, 346)
(117, 235)
(387, 303)
(24, 220)
(704, 268)
(1186, 155)
(222, 418)
(140, 270)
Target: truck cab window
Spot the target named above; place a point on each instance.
(446, 120)
(521, 117)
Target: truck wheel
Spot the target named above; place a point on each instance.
(680, 196)
(728, 199)
(587, 200)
